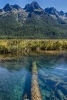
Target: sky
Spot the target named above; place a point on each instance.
(60, 5)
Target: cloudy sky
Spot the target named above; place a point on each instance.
(58, 4)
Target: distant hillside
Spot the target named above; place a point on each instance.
(32, 22)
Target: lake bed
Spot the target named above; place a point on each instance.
(15, 77)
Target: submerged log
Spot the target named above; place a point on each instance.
(35, 92)
(60, 95)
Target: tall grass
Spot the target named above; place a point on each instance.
(20, 46)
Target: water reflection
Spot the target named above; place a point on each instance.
(15, 77)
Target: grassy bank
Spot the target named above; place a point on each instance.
(18, 46)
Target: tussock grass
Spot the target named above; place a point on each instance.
(20, 45)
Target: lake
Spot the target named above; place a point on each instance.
(15, 77)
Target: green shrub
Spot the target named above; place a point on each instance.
(3, 50)
(56, 46)
(64, 45)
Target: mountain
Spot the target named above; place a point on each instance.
(16, 11)
(32, 22)
(32, 7)
(60, 16)
(16, 7)
(7, 7)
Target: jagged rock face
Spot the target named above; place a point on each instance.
(1, 10)
(7, 7)
(33, 21)
(52, 11)
(66, 14)
(15, 10)
(16, 7)
(35, 5)
(59, 15)
(31, 7)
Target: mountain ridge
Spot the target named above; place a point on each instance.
(31, 22)
(35, 7)
(56, 14)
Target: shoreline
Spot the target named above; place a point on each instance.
(15, 48)
(5, 57)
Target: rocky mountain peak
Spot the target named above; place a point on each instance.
(16, 7)
(31, 7)
(66, 14)
(61, 13)
(35, 5)
(7, 7)
(51, 10)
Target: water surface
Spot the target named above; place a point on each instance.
(15, 77)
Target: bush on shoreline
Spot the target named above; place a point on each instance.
(20, 46)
